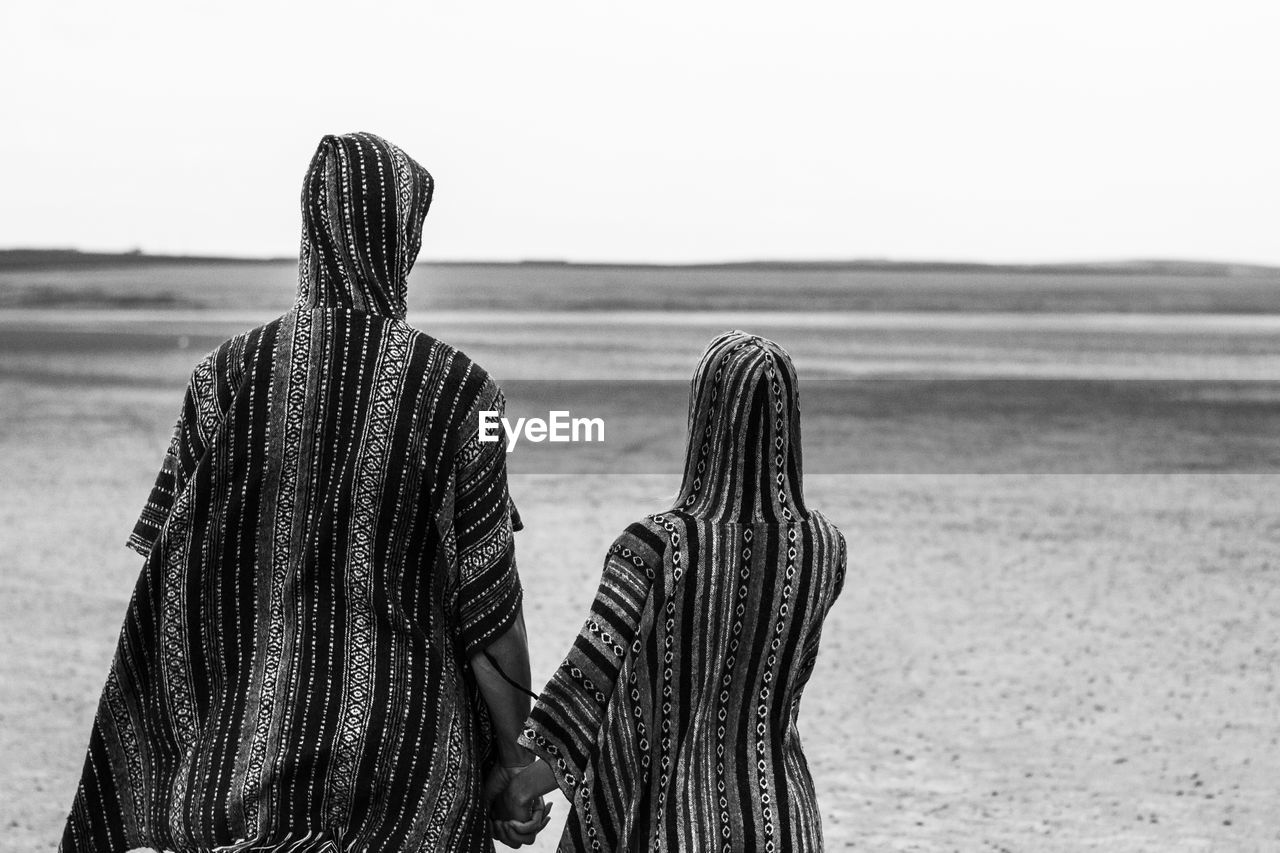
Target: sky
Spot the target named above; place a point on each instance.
(658, 132)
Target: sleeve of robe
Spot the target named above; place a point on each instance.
(209, 392)
(584, 715)
(489, 593)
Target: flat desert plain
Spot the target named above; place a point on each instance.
(1061, 625)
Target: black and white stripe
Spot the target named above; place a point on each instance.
(326, 544)
(671, 725)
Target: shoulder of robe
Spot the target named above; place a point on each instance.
(825, 525)
(646, 540)
(230, 359)
(477, 387)
(228, 362)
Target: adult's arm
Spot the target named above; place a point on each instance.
(508, 704)
(489, 605)
(489, 596)
(508, 707)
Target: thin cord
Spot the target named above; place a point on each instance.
(507, 679)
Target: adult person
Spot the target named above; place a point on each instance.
(328, 555)
(671, 725)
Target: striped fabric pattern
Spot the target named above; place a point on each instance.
(326, 544)
(671, 724)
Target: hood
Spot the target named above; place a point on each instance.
(742, 460)
(363, 203)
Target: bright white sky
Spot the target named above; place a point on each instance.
(975, 130)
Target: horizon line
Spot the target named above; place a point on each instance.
(50, 255)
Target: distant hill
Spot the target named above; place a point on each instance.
(53, 259)
(45, 279)
(48, 259)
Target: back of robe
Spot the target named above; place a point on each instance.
(672, 723)
(326, 544)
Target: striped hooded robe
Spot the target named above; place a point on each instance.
(671, 725)
(326, 545)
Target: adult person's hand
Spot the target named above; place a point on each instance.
(523, 796)
(515, 833)
(513, 825)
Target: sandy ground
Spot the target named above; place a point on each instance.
(1020, 661)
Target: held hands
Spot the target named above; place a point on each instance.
(516, 816)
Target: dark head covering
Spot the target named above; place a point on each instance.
(742, 461)
(363, 204)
